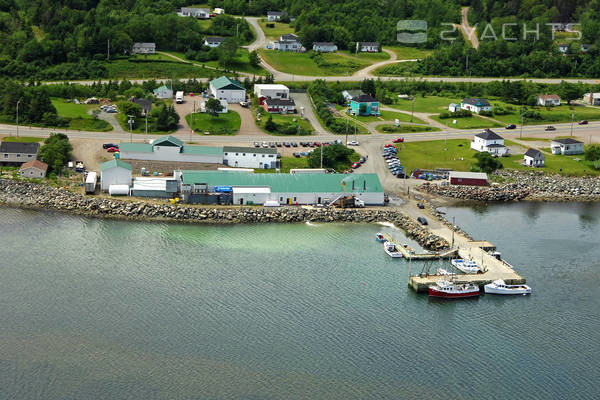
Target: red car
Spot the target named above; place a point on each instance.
(112, 149)
(398, 140)
(389, 145)
(317, 144)
(356, 165)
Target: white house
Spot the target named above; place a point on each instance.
(143, 48)
(453, 107)
(213, 41)
(224, 88)
(114, 172)
(476, 105)
(163, 92)
(563, 48)
(281, 106)
(203, 13)
(566, 146)
(491, 142)
(275, 15)
(549, 100)
(33, 169)
(169, 148)
(250, 157)
(592, 99)
(325, 47)
(534, 158)
(274, 91)
(369, 47)
(288, 42)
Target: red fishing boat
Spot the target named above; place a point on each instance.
(453, 290)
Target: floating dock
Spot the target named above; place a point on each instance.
(410, 254)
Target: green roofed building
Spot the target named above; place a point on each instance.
(170, 149)
(250, 188)
(227, 89)
(114, 172)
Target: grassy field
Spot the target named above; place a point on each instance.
(154, 67)
(397, 69)
(406, 129)
(23, 139)
(340, 63)
(429, 104)
(409, 53)
(287, 163)
(79, 117)
(549, 115)
(224, 124)
(242, 62)
(283, 119)
(473, 122)
(385, 116)
(279, 29)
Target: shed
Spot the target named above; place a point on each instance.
(534, 158)
(114, 172)
(33, 169)
(90, 182)
(468, 178)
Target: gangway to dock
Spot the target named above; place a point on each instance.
(410, 254)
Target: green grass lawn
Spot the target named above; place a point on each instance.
(473, 122)
(406, 128)
(429, 104)
(287, 163)
(340, 63)
(242, 62)
(409, 53)
(549, 115)
(283, 119)
(224, 124)
(397, 69)
(385, 116)
(153, 68)
(279, 29)
(79, 117)
(23, 139)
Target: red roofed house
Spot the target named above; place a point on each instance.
(33, 169)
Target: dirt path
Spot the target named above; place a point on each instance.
(112, 120)
(248, 126)
(302, 100)
(261, 40)
(468, 31)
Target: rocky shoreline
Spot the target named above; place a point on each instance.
(41, 196)
(529, 186)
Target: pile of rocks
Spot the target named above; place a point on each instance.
(39, 196)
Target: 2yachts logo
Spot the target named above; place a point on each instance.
(412, 26)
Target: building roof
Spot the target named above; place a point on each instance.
(323, 44)
(289, 36)
(354, 93)
(534, 153)
(488, 134)
(369, 44)
(364, 98)
(495, 146)
(19, 147)
(144, 44)
(549, 97)
(114, 163)
(136, 147)
(279, 102)
(167, 139)
(203, 150)
(144, 103)
(214, 39)
(195, 9)
(467, 175)
(476, 102)
(270, 86)
(275, 13)
(35, 164)
(288, 183)
(163, 87)
(566, 141)
(252, 150)
(226, 83)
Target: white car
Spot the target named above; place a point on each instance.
(353, 143)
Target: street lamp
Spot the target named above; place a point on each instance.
(131, 121)
(18, 102)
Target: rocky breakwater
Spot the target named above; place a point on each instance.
(38, 196)
(534, 185)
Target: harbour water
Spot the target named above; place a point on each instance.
(95, 309)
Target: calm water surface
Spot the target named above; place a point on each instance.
(93, 309)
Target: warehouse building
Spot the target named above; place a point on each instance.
(170, 148)
(114, 172)
(298, 189)
(250, 157)
(156, 187)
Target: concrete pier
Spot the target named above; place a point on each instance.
(410, 254)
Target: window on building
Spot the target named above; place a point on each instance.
(18, 155)
(237, 154)
(263, 156)
(29, 156)
(254, 155)
(5, 155)
(225, 153)
(244, 154)
(281, 199)
(294, 199)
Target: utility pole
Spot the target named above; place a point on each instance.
(572, 120)
(321, 150)
(522, 119)
(130, 121)
(346, 132)
(146, 122)
(108, 50)
(452, 246)
(18, 117)
(412, 109)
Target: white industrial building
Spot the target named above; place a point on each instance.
(157, 187)
(224, 88)
(250, 157)
(274, 91)
(169, 148)
(114, 172)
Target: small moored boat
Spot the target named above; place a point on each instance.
(453, 290)
(442, 271)
(391, 250)
(500, 287)
(379, 237)
(467, 266)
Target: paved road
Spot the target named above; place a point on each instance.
(261, 41)
(302, 100)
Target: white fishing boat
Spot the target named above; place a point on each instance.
(500, 287)
(467, 266)
(391, 250)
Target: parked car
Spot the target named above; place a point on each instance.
(353, 143)
(256, 144)
(278, 144)
(244, 104)
(264, 144)
(271, 144)
(422, 221)
(356, 165)
(294, 144)
(398, 140)
(363, 159)
(286, 144)
(583, 122)
(389, 145)
(297, 155)
(109, 145)
(421, 205)
(510, 126)
(550, 128)
(112, 149)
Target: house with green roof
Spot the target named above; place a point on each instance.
(227, 89)
(297, 189)
(163, 92)
(114, 172)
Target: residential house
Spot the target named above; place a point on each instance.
(566, 146)
(325, 47)
(476, 105)
(17, 153)
(468, 178)
(275, 15)
(288, 42)
(224, 88)
(369, 47)
(146, 105)
(273, 91)
(170, 149)
(453, 107)
(250, 157)
(163, 92)
(491, 142)
(143, 48)
(202, 13)
(281, 106)
(563, 48)
(211, 41)
(592, 99)
(114, 172)
(350, 94)
(33, 169)
(549, 100)
(534, 158)
(364, 105)
(585, 48)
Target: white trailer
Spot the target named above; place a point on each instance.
(179, 97)
(90, 182)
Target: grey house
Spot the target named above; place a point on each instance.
(202, 13)
(143, 48)
(325, 47)
(534, 158)
(145, 104)
(16, 153)
(288, 42)
(566, 146)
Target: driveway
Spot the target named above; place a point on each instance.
(248, 126)
(111, 118)
(302, 100)
(261, 41)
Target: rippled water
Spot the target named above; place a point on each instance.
(93, 309)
